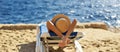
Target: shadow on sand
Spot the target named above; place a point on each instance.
(30, 47)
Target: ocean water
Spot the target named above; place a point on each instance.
(37, 11)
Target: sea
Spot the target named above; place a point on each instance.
(37, 11)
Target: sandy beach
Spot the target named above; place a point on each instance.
(22, 38)
(99, 40)
(19, 38)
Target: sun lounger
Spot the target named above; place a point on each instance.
(44, 40)
(57, 32)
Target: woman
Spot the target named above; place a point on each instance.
(61, 26)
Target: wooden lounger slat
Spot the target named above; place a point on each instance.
(56, 38)
(55, 41)
(57, 45)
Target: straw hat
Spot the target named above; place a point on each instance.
(61, 22)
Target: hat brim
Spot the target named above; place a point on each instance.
(60, 16)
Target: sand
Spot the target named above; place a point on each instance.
(99, 40)
(23, 40)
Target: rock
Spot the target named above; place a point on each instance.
(99, 25)
(17, 26)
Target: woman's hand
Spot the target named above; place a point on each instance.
(64, 42)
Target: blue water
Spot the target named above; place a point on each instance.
(36, 11)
